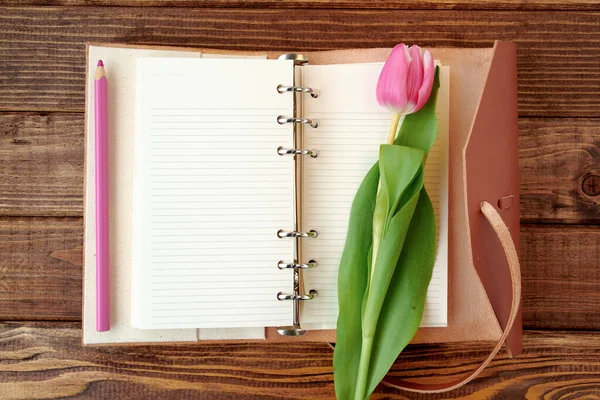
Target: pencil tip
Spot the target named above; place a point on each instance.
(100, 63)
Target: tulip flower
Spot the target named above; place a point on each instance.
(403, 87)
(386, 266)
(405, 83)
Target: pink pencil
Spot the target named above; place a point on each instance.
(102, 211)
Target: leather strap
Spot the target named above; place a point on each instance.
(510, 251)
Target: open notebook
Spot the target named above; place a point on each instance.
(211, 190)
(195, 213)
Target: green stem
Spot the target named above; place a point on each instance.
(393, 128)
(378, 224)
(363, 368)
(380, 207)
(379, 217)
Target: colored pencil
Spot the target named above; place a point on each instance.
(102, 198)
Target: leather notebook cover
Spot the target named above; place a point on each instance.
(492, 175)
(483, 166)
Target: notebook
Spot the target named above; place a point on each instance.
(226, 217)
(477, 209)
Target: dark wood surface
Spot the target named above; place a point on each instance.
(546, 5)
(40, 273)
(560, 170)
(41, 155)
(41, 164)
(43, 67)
(41, 194)
(43, 360)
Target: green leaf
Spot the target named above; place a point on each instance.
(401, 181)
(352, 284)
(378, 323)
(398, 166)
(419, 130)
(403, 307)
(390, 249)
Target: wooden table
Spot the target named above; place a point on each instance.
(41, 193)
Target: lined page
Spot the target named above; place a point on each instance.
(352, 127)
(210, 193)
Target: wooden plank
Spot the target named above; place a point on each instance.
(41, 167)
(40, 272)
(332, 4)
(559, 166)
(40, 268)
(41, 164)
(561, 276)
(47, 360)
(42, 67)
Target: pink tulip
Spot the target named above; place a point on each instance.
(406, 79)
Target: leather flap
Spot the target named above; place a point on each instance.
(492, 175)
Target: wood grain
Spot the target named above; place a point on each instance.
(40, 276)
(561, 276)
(41, 167)
(42, 67)
(334, 4)
(41, 164)
(41, 155)
(47, 361)
(40, 268)
(559, 162)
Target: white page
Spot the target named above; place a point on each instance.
(352, 126)
(210, 193)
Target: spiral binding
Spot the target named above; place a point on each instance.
(310, 264)
(282, 151)
(314, 93)
(283, 296)
(296, 296)
(313, 233)
(282, 119)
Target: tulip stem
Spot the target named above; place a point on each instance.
(393, 128)
(380, 209)
(379, 218)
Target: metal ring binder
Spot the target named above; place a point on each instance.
(298, 294)
(282, 151)
(282, 119)
(295, 329)
(302, 297)
(295, 234)
(299, 59)
(310, 264)
(314, 93)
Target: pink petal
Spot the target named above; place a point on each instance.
(427, 84)
(415, 76)
(391, 86)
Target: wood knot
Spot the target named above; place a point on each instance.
(591, 185)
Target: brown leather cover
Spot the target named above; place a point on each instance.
(477, 78)
(492, 172)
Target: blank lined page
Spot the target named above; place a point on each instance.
(352, 127)
(210, 193)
